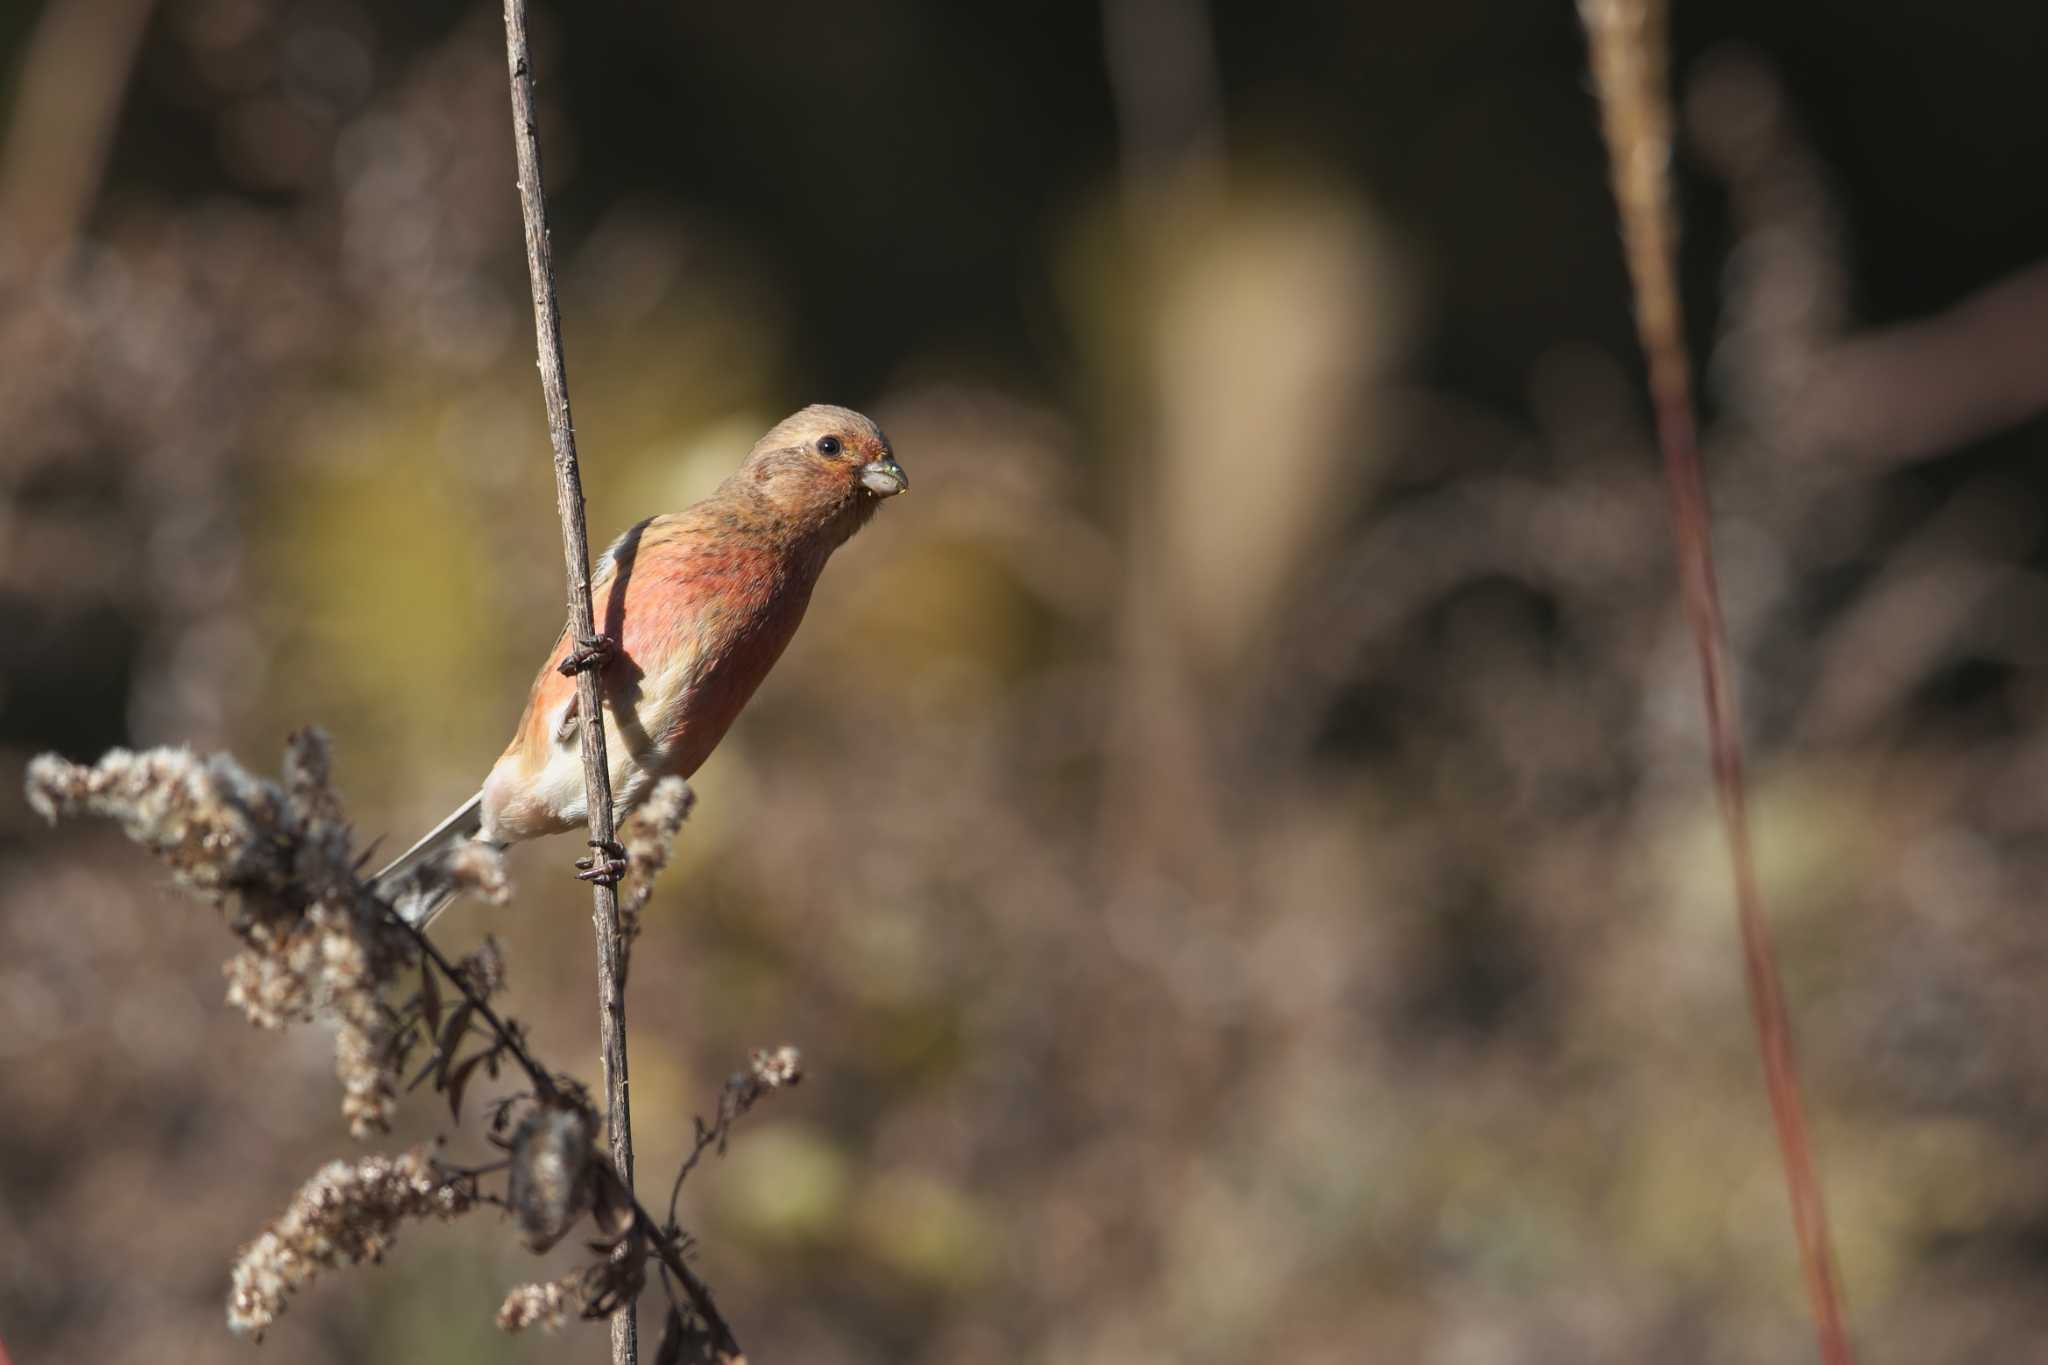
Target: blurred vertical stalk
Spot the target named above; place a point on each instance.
(1628, 50)
(1161, 63)
(611, 980)
(74, 74)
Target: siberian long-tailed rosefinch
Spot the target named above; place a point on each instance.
(693, 608)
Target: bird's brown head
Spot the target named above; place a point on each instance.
(824, 466)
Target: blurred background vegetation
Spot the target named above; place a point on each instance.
(1234, 843)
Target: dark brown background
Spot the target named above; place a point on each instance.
(1233, 843)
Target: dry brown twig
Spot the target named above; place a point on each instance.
(1629, 51)
(611, 943)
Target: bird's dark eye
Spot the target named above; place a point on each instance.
(828, 445)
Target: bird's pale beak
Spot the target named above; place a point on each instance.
(884, 478)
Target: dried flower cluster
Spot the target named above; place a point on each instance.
(484, 967)
(767, 1071)
(280, 861)
(478, 870)
(208, 819)
(649, 837)
(345, 1215)
(557, 1175)
(547, 1305)
(595, 1291)
(773, 1070)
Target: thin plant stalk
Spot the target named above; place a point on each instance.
(1628, 48)
(725, 1346)
(582, 622)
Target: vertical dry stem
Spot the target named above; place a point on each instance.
(576, 553)
(67, 100)
(1628, 52)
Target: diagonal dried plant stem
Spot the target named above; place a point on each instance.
(1627, 39)
(725, 1346)
(540, 270)
(545, 1084)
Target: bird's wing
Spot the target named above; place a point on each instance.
(645, 591)
(550, 716)
(700, 603)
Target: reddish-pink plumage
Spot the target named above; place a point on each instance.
(700, 604)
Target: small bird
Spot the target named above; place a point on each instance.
(693, 609)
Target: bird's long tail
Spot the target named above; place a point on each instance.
(414, 881)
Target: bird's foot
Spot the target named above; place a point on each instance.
(607, 869)
(592, 651)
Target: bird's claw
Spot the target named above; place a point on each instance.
(607, 869)
(592, 651)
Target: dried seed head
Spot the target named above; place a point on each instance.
(478, 870)
(547, 1305)
(649, 838)
(484, 968)
(767, 1071)
(345, 1215)
(204, 817)
(279, 860)
(595, 1291)
(553, 1178)
(775, 1069)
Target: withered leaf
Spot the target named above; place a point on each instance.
(430, 999)
(458, 1080)
(615, 1283)
(612, 1210)
(451, 1036)
(671, 1352)
(685, 1341)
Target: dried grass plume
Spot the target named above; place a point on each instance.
(347, 1214)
